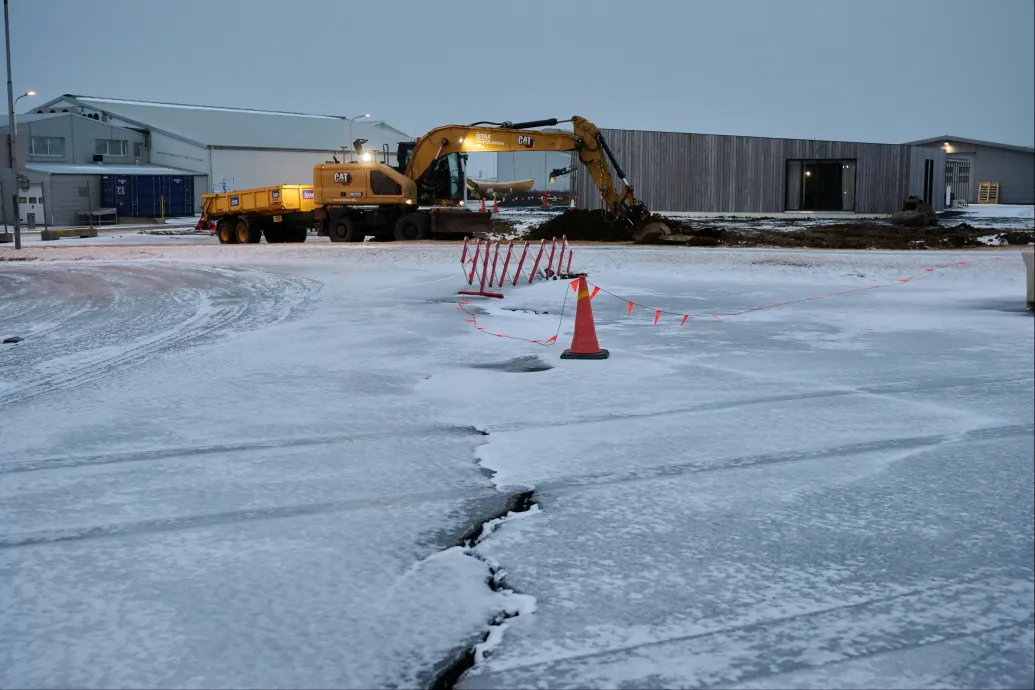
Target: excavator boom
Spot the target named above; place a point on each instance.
(585, 139)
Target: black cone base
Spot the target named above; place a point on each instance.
(602, 354)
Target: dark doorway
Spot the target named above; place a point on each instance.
(821, 185)
(929, 181)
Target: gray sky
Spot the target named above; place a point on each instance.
(864, 70)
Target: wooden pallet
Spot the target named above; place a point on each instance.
(988, 192)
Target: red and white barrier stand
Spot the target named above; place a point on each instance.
(477, 272)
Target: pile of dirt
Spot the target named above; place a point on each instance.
(873, 235)
(581, 225)
(592, 226)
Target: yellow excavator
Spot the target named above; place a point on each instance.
(423, 195)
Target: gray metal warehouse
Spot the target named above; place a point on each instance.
(969, 162)
(101, 156)
(712, 173)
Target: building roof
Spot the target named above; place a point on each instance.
(29, 117)
(965, 140)
(235, 127)
(104, 169)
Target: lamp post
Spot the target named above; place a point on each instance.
(12, 139)
(351, 120)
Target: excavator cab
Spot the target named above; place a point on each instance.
(404, 154)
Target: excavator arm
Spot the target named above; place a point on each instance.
(484, 137)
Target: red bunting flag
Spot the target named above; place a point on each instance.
(685, 317)
(657, 315)
(630, 311)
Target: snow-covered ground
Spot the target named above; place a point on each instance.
(1004, 216)
(269, 466)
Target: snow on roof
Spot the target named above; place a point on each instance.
(104, 169)
(239, 127)
(977, 142)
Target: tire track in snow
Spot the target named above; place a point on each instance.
(234, 300)
(560, 484)
(189, 452)
(879, 390)
(574, 482)
(752, 650)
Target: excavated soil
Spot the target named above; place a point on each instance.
(592, 226)
(580, 225)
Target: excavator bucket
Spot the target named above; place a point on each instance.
(649, 232)
(460, 222)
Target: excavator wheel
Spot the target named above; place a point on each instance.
(344, 231)
(412, 226)
(225, 231)
(245, 234)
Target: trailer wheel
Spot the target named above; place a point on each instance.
(225, 231)
(274, 234)
(412, 226)
(245, 234)
(344, 231)
(297, 234)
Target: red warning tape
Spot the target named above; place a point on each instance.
(718, 317)
(685, 316)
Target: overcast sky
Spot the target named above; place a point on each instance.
(863, 70)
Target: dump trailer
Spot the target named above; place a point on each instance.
(283, 213)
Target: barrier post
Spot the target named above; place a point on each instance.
(474, 263)
(568, 269)
(524, 253)
(506, 262)
(463, 257)
(560, 259)
(495, 258)
(485, 266)
(549, 265)
(538, 258)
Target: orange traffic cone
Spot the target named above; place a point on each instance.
(584, 343)
(495, 205)
(482, 207)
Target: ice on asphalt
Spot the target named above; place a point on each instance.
(229, 468)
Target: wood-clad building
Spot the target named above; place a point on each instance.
(712, 173)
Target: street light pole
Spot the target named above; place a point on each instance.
(352, 152)
(11, 142)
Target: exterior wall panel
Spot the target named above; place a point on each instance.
(712, 173)
(64, 201)
(251, 168)
(1013, 170)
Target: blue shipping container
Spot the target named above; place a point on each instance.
(149, 196)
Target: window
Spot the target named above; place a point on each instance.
(111, 147)
(138, 149)
(382, 185)
(820, 185)
(46, 146)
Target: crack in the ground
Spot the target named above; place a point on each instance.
(450, 672)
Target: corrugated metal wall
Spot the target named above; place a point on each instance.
(68, 196)
(917, 156)
(1013, 170)
(713, 173)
